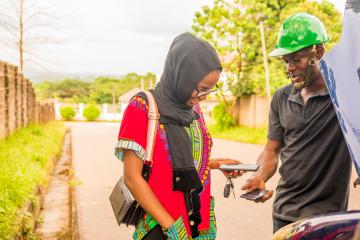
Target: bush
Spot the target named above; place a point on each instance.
(67, 112)
(91, 112)
(26, 160)
(223, 119)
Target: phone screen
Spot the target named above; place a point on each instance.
(254, 195)
(242, 166)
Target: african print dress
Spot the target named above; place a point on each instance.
(132, 136)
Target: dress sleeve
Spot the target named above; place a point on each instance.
(133, 129)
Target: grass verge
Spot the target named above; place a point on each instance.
(240, 134)
(26, 159)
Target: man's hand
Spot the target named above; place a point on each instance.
(254, 183)
(215, 164)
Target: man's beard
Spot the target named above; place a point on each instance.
(301, 85)
(298, 85)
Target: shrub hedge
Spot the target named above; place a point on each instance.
(26, 159)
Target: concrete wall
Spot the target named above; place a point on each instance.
(10, 97)
(3, 114)
(252, 111)
(18, 106)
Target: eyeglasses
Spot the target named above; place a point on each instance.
(206, 91)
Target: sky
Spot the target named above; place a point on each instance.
(115, 37)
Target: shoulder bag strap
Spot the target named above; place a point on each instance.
(153, 116)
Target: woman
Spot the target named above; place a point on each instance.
(177, 197)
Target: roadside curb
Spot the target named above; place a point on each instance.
(58, 215)
(73, 221)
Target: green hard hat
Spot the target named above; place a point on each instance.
(299, 31)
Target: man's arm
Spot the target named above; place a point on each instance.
(267, 161)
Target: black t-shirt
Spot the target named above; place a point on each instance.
(315, 163)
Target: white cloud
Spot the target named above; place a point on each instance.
(118, 36)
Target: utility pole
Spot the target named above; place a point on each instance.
(267, 76)
(142, 84)
(113, 96)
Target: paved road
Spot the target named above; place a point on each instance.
(98, 169)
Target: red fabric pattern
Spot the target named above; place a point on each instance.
(134, 128)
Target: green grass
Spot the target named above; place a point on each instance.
(26, 158)
(240, 134)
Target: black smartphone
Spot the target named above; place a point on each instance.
(254, 195)
(241, 166)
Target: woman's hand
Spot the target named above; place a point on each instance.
(177, 231)
(216, 162)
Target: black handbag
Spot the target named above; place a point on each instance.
(126, 209)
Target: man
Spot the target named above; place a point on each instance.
(304, 131)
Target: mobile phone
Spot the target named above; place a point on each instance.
(241, 166)
(254, 195)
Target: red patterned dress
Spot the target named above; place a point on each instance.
(132, 136)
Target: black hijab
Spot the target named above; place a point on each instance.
(188, 61)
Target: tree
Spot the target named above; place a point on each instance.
(108, 90)
(222, 26)
(232, 27)
(101, 90)
(25, 24)
(70, 87)
(45, 90)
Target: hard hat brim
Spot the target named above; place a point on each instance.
(277, 52)
(284, 51)
(280, 52)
